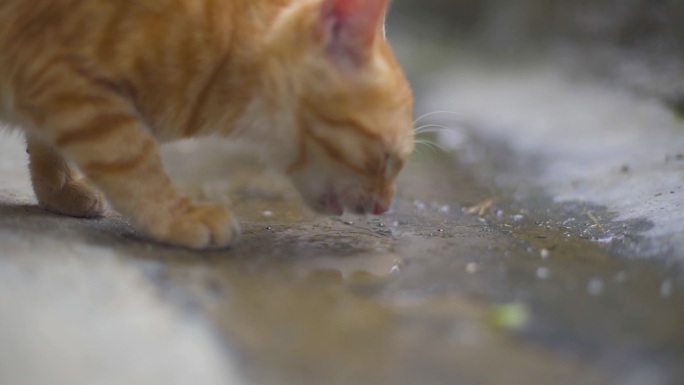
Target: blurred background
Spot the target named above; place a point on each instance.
(634, 43)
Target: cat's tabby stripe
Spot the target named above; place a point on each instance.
(347, 123)
(338, 155)
(121, 166)
(99, 80)
(193, 125)
(39, 80)
(98, 128)
(110, 34)
(69, 101)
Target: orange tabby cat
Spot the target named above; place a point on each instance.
(96, 84)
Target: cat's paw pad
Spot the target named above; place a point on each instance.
(203, 226)
(77, 199)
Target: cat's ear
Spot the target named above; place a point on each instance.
(349, 28)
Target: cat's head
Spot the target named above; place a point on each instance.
(352, 107)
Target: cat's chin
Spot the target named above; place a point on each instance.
(332, 204)
(329, 204)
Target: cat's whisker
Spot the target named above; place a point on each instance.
(427, 129)
(419, 150)
(431, 145)
(429, 132)
(430, 128)
(436, 113)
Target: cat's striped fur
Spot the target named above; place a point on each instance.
(97, 84)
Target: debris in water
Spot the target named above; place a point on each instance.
(621, 277)
(481, 208)
(543, 273)
(472, 268)
(565, 222)
(666, 288)
(595, 286)
(594, 219)
(605, 240)
(514, 316)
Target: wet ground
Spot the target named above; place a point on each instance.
(489, 269)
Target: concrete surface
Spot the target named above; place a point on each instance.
(574, 138)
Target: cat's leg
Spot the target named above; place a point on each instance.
(98, 129)
(57, 187)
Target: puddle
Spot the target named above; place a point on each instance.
(417, 295)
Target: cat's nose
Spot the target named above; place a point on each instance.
(383, 200)
(380, 208)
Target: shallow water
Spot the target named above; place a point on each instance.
(529, 292)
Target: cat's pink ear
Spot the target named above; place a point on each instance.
(350, 28)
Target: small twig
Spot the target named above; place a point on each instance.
(481, 208)
(595, 220)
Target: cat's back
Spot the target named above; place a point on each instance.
(79, 23)
(119, 32)
(146, 39)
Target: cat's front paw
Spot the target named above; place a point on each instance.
(75, 198)
(196, 226)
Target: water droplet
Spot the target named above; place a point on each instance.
(419, 205)
(544, 253)
(268, 213)
(472, 268)
(518, 217)
(666, 288)
(605, 240)
(395, 269)
(621, 277)
(444, 209)
(543, 273)
(595, 286)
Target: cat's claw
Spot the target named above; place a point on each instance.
(201, 227)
